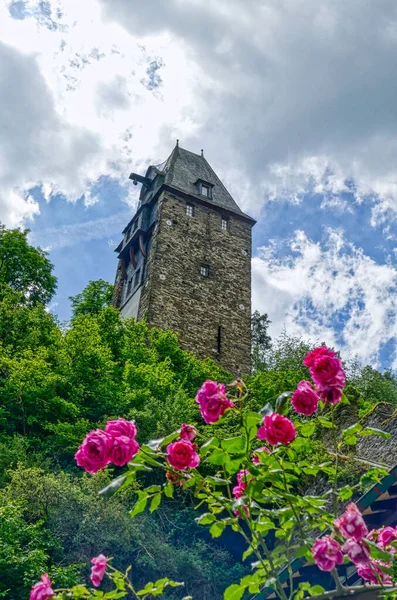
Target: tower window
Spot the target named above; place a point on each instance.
(219, 340)
(224, 224)
(189, 210)
(204, 270)
(205, 190)
(137, 277)
(129, 286)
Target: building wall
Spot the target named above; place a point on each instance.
(176, 296)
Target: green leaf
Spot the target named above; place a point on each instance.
(374, 431)
(155, 503)
(211, 443)
(140, 505)
(251, 419)
(218, 457)
(248, 553)
(378, 553)
(169, 490)
(325, 423)
(316, 590)
(345, 493)
(234, 592)
(308, 429)
(112, 488)
(234, 445)
(350, 440)
(352, 429)
(281, 402)
(205, 519)
(217, 529)
(156, 444)
(373, 476)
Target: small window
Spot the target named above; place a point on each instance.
(135, 225)
(204, 270)
(224, 225)
(189, 210)
(219, 340)
(137, 277)
(205, 190)
(129, 286)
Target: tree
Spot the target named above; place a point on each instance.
(260, 339)
(95, 296)
(24, 268)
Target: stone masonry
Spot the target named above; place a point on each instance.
(195, 274)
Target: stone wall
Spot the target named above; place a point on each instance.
(176, 296)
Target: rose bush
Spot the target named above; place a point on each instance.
(252, 489)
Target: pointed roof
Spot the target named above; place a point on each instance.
(183, 169)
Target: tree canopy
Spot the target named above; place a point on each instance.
(24, 268)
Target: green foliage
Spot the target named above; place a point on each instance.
(24, 268)
(95, 296)
(260, 339)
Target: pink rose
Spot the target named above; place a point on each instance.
(121, 427)
(371, 572)
(181, 455)
(100, 563)
(244, 477)
(327, 553)
(331, 395)
(358, 552)
(255, 458)
(327, 371)
(212, 400)
(276, 429)
(42, 590)
(304, 399)
(188, 432)
(386, 536)
(351, 524)
(123, 450)
(93, 454)
(238, 491)
(309, 359)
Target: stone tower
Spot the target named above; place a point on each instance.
(185, 260)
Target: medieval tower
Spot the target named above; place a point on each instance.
(185, 260)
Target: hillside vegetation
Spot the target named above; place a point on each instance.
(57, 382)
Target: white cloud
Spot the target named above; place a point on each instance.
(328, 292)
(83, 100)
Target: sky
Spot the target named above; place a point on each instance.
(294, 103)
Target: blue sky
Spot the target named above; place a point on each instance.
(293, 103)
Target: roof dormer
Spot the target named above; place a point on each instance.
(204, 188)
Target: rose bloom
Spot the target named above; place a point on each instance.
(386, 535)
(42, 590)
(123, 450)
(332, 395)
(100, 563)
(181, 455)
(358, 552)
(304, 399)
(327, 553)
(327, 372)
(255, 458)
(238, 491)
(371, 572)
(276, 429)
(309, 359)
(93, 454)
(188, 432)
(212, 400)
(351, 524)
(121, 427)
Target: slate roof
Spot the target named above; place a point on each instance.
(183, 168)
